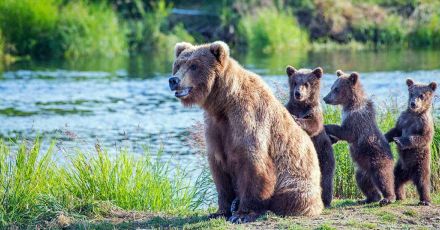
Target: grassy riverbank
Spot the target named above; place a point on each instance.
(73, 29)
(97, 189)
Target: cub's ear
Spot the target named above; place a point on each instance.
(220, 50)
(409, 82)
(339, 73)
(290, 70)
(354, 77)
(433, 86)
(180, 47)
(318, 72)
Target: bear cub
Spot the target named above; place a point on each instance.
(368, 147)
(413, 135)
(304, 105)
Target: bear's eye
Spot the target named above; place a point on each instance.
(193, 67)
(421, 97)
(336, 90)
(307, 84)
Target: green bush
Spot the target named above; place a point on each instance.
(47, 28)
(152, 31)
(30, 25)
(389, 32)
(270, 30)
(426, 32)
(90, 30)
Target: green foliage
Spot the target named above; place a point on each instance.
(29, 25)
(426, 32)
(34, 189)
(148, 33)
(47, 28)
(270, 30)
(389, 32)
(90, 30)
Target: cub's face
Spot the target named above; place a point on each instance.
(420, 96)
(195, 69)
(303, 83)
(343, 88)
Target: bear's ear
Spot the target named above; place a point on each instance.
(433, 86)
(339, 73)
(290, 70)
(318, 72)
(409, 82)
(354, 77)
(220, 50)
(180, 47)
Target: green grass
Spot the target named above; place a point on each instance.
(34, 188)
(270, 30)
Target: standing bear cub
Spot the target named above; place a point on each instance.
(413, 135)
(368, 147)
(256, 151)
(304, 105)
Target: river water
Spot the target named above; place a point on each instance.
(126, 103)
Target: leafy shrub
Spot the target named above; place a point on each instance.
(426, 31)
(270, 30)
(30, 25)
(388, 32)
(90, 30)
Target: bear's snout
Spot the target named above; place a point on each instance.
(326, 99)
(174, 83)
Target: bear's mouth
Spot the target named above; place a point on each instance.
(183, 92)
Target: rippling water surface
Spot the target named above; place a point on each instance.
(126, 102)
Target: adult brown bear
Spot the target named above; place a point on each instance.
(256, 151)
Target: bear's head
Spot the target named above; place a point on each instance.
(304, 84)
(344, 89)
(420, 96)
(195, 69)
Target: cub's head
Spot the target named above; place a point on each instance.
(345, 88)
(304, 84)
(420, 96)
(195, 69)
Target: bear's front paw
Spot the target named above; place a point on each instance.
(424, 203)
(219, 214)
(234, 205)
(384, 202)
(243, 218)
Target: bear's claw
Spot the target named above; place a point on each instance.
(241, 219)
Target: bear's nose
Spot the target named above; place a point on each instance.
(174, 82)
(413, 104)
(297, 94)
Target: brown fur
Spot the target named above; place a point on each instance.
(368, 146)
(304, 105)
(256, 151)
(413, 135)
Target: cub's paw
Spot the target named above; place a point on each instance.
(384, 202)
(243, 218)
(424, 203)
(219, 214)
(401, 142)
(234, 205)
(333, 139)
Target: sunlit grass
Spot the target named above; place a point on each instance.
(34, 188)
